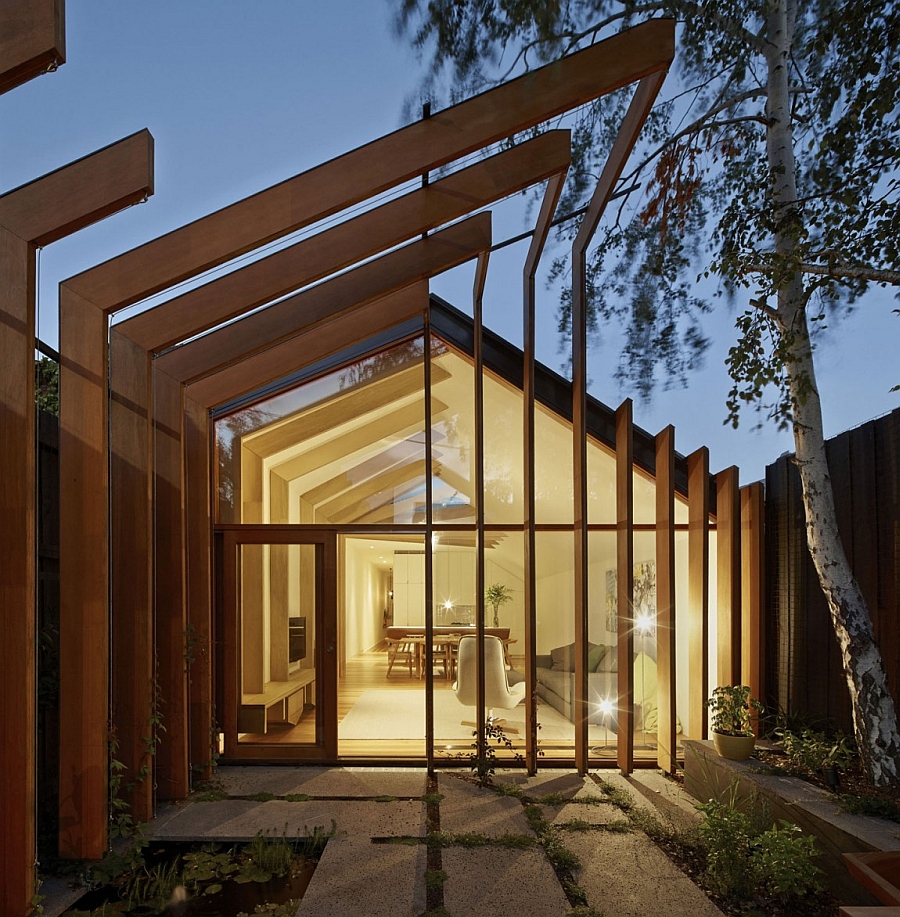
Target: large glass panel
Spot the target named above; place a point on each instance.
(603, 630)
(381, 687)
(682, 632)
(555, 635)
(452, 436)
(277, 614)
(454, 560)
(644, 498)
(455, 612)
(503, 453)
(453, 444)
(346, 447)
(601, 463)
(552, 468)
(645, 642)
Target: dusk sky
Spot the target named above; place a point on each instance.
(241, 95)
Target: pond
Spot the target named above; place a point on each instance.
(210, 880)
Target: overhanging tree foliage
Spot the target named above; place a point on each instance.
(773, 168)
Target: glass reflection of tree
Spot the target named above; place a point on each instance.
(229, 430)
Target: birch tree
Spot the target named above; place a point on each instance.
(772, 169)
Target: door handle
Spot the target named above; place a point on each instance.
(329, 649)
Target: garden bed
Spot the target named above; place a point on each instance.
(267, 875)
(813, 809)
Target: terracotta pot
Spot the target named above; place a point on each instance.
(735, 748)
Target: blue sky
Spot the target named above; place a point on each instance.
(241, 95)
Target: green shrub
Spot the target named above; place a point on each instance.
(726, 834)
(810, 749)
(870, 805)
(783, 860)
(746, 860)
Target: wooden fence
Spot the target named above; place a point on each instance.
(804, 666)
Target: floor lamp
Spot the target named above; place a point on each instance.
(605, 708)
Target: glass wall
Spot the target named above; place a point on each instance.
(347, 447)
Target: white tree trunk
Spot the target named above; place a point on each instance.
(874, 716)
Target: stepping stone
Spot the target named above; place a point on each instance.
(473, 809)
(364, 879)
(622, 873)
(240, 819)
(501, 883)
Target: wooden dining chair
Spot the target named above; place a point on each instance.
(404, 648)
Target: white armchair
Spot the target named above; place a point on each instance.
(497, 691)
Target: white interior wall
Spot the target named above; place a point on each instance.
(364, 598)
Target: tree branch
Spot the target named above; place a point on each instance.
(853, 272)
(766, 309)
(698, 125)
(843, 271)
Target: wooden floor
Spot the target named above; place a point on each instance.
(368, 671)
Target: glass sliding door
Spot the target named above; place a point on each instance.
(280, 643)
(381, 688)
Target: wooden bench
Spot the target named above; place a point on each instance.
(282, 702)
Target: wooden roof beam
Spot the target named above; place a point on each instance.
(32, 40)
(367, 171)
(348, 243)
(258, 333)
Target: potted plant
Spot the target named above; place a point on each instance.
(731, 707)
(496, 595)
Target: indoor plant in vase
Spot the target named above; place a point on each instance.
(496, 595)
(731, 707)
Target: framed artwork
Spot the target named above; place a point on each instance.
(644, 597)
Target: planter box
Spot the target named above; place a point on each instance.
(707, 776)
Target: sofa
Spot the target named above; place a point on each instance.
(556, 683)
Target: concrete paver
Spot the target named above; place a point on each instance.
(469, 808)
(238, 819)
(501, 883)
(629, 876)
(364, 879)
(623, 874)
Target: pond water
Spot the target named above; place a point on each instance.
(232, 899)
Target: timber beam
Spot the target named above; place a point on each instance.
(33, 215)
(32, 40)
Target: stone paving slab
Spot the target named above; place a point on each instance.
(359, 878)
(240, 819)
(493, 882)
(663, 798)
(564, 783)
(571, 787)
(470, 808)
(320, 781)
(629, 876)
(599, 814)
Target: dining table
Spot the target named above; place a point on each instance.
(445, 642)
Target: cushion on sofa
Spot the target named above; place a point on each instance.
(564, 657)
(595, 655)
(609, 661)
(556, 688)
